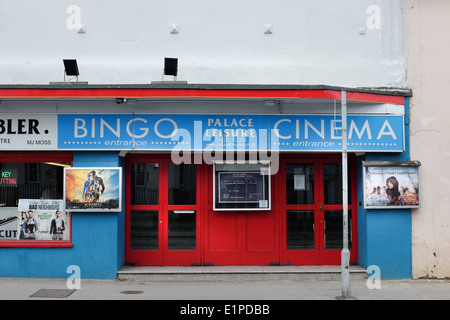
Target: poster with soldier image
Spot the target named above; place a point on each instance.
(93, 189)
(42, 220)
(391, 186)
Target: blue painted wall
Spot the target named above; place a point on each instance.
(384, 235)
(98, 240)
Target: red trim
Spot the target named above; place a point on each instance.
(197, 93)
(370, 97)
(31, 156)
(35, 244)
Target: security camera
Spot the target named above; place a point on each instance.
(121, 100)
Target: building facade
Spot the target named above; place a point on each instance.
(427, 47)
(235, 159)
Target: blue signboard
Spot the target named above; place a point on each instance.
(323, 133)
(228, 132)
(162, 132)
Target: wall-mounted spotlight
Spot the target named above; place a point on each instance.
(71, 68)
(171, 67)
(125, 100)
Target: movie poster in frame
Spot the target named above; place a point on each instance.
(42, 219)
(93, 189)
(391, 184)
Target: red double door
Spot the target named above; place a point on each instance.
(170, 218)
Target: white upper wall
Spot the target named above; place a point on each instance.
(344, 43)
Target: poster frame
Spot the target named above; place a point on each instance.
(25, 205)
(97, 169)
(267, 172)
(393, 166)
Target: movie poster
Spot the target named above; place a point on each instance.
(93, 189)
(42, 220)
(391, 186)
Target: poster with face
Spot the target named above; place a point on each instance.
(391, 187)
(42, 220)
(93, 189)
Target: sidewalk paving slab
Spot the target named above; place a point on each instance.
(257, 290)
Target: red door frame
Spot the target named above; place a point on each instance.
(320, 255)
(297, 257)
(333, 257)
(163, 256)
(225, 237)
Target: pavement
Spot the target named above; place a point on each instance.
(220, 299)
(228, 290)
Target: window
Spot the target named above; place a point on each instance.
(182, 184)
(31, 193)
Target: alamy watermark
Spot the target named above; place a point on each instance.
(373, 22)
(374, 277)
(74, 280)
(250, 146)
(73, 22)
